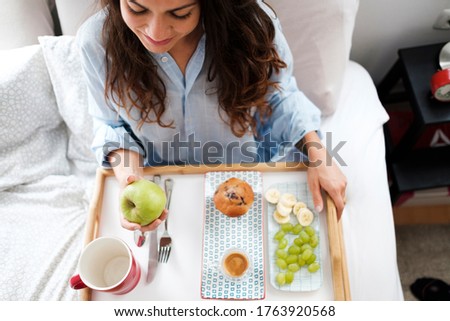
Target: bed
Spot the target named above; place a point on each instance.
(48, 171)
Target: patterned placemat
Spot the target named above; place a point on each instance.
(221, 232)
(303, 280)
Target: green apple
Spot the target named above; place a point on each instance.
(142, 202)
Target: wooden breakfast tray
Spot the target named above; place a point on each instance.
(339, 271)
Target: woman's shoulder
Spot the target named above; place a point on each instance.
(269, 11)
(90, 32)
(279, 40)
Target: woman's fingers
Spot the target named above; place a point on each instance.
(128, 225)
(153, 225)
(150, 227)
(132, 178)
(338, 200)
(337, 194)
(332, 181)
(164, 214)
(314, 187)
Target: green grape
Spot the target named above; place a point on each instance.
(306, 254)
(291, 259)
(280, 278)
(289, 277)
(305, 247)
(279, 235)
(294, 249)
(313, 267)
(314, 241)
(282, 243)
(304, 236)
(297, 229)
(300, 261)
(293, 267)
(311, 259)
(282, 254)
(298, 241)
(287, 227)
(281, 264)
(310, 231)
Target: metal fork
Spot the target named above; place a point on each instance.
(165, 243)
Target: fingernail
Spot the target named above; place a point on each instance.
(319, 208)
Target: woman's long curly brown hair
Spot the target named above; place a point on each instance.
(239, 38)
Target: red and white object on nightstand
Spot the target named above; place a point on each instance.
(440, 81)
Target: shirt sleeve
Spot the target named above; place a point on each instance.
(293, 114)
(111, 132)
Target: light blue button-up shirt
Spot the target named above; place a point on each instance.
(200, 133)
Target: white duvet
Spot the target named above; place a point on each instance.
(42, 225)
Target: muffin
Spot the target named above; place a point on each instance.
(234, 197)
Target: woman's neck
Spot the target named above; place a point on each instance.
(184, 50)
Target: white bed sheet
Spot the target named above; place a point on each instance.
(368, 219)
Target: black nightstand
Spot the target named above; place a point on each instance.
(413, 168)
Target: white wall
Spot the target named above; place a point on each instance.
(384, 26)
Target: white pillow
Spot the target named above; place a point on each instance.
(33, 138)
(63, 62)
(72, 13)
(319, 34)
(22, 21)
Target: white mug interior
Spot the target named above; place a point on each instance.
(105, 263)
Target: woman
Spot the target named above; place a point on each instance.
(198, 81)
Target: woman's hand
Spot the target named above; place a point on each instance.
(128, 167)
(324, 173)
(134, 226)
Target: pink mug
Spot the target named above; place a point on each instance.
(107, 264)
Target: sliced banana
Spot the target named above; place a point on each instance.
(297, 207)
(288, 200)
(283, 210)
(305, 216)
(280, 219)
(272, 195)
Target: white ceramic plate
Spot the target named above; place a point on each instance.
(221, 232)
(304, 280)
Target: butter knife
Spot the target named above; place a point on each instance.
(152, 263)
